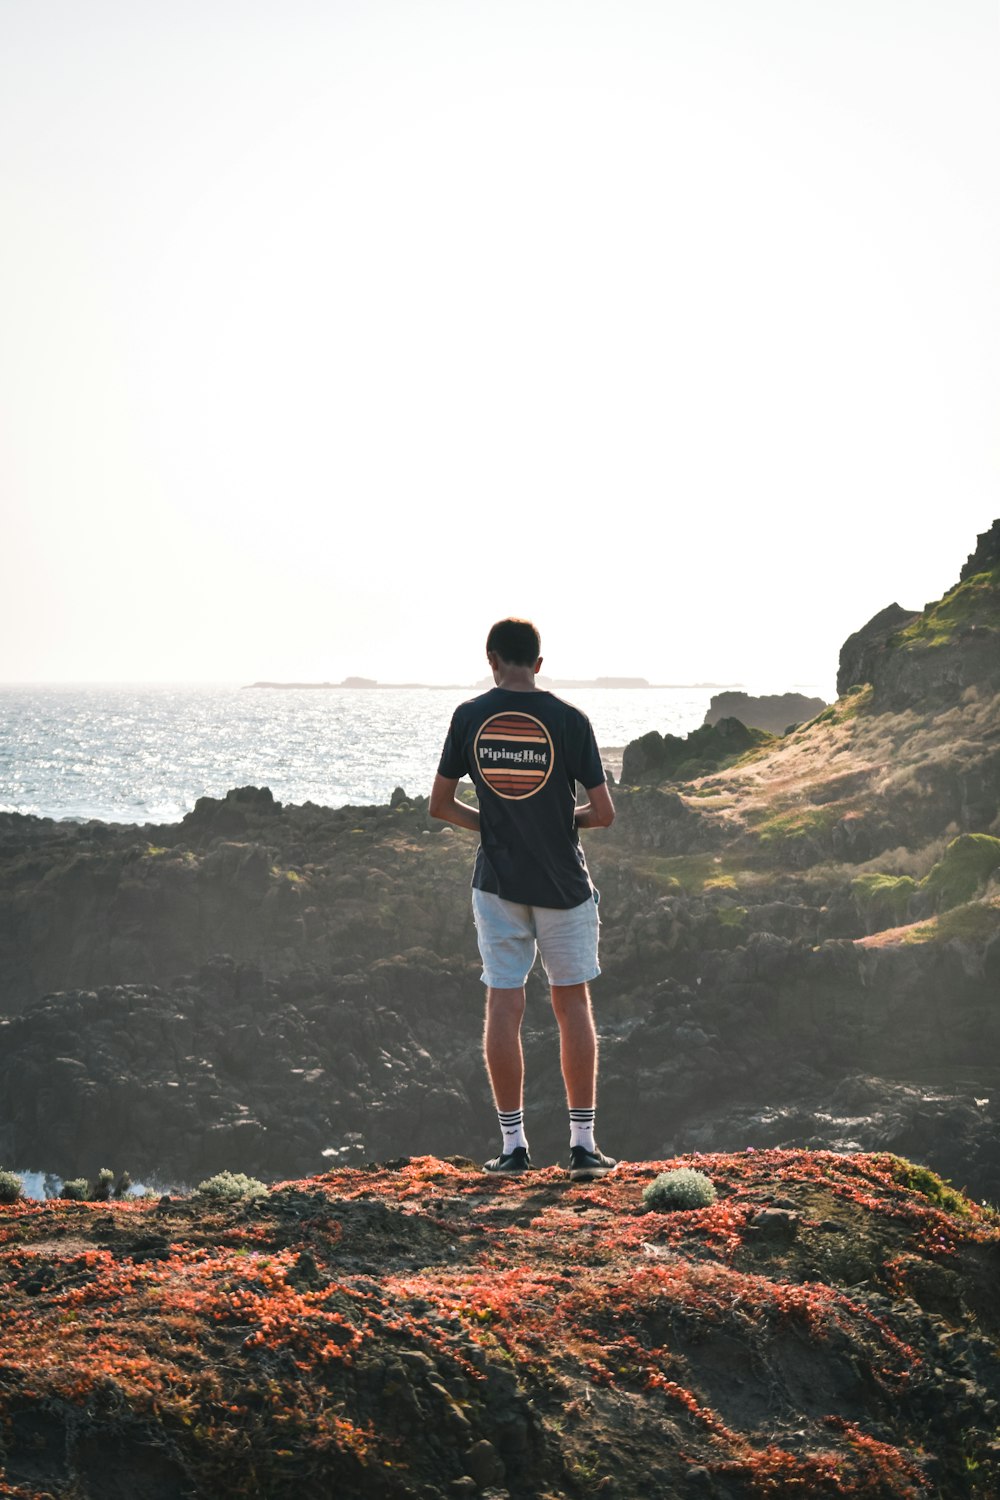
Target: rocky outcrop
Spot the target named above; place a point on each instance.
(700, 1011)
(938, 671)
(654, 758)
(227, 1067)
(290, 888)
(927, 660)
(775, 712)
(987, 554)
(859, 652)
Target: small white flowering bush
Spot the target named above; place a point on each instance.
(683, 1188)
(226, 1187)
(10, 1187)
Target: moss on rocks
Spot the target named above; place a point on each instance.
(883, 899)
(972, 603)
(962, 872)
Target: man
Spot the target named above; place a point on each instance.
(525, 750)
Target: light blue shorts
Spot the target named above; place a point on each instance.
(510, 935)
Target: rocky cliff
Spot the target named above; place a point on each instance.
(930, 659)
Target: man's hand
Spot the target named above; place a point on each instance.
(446, 806)
(599, 811)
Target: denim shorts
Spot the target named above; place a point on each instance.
(510, 935)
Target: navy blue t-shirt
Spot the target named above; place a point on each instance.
(525, 752)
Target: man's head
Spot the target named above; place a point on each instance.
(516, 642)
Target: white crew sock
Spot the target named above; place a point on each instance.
(581, 1129)
(512, 1129)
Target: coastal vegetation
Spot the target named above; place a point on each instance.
(683, 1188)
(817, 1323)
(970, 605)
(11, 1186)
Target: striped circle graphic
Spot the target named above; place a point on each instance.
(514, 754)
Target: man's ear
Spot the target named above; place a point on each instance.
(538, 666)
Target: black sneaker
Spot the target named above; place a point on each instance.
(510, 1164)
(584, 1164)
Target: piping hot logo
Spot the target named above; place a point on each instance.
(514, 754)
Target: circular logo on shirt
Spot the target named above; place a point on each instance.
(514, 754)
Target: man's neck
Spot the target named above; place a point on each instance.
(515, 679)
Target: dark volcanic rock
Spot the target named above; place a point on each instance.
(939, 675)
(292, 888)
(229, 1070)
(774, 712)
(859, 651)
(664, 757)
(953, 646)
(986, 555)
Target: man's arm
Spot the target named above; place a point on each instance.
(446, 806)
(598, 811)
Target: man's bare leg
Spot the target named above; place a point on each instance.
(577, 1043)
(502, 1047)
(578, 1047)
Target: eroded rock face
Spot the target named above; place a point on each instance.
(987, 553)
(771, 711)
(860, 651)
(938, 675)
(950, 649)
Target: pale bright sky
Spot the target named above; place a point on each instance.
(332, 330)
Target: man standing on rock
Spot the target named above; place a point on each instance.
(525, 750)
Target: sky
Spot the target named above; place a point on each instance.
(333, 330)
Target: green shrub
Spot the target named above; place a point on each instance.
(77, 1190)
(923, 1180)
(11, 1187)
(226, 1187)
(101, 1191)
(962, 871)
(883, 899)
(683, 1188)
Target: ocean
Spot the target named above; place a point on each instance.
(144, 754)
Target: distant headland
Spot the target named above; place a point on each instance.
(545, 682)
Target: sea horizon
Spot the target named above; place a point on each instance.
(141, 753)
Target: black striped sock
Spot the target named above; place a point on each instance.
(581, 1128)
(512, 1129)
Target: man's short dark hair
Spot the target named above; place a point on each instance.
(516, 642)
